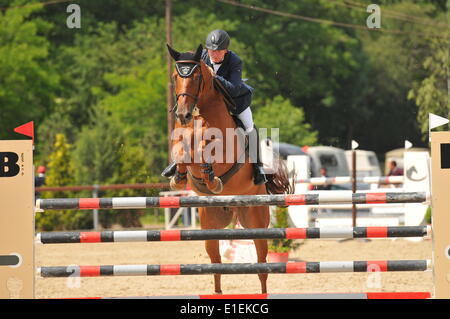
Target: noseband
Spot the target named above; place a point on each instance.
(185, 69)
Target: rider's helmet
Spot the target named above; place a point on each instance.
(217, 40)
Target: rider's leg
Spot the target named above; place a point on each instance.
(247, 119)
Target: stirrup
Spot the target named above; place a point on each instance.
(170, 170)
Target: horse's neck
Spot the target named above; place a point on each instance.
(215, 112)
(216, 115)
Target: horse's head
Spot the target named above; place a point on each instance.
(189, 78)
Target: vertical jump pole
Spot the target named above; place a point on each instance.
(354, 210)
(95, 212)
(16, 219)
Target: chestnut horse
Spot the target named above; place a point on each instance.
(200, 108)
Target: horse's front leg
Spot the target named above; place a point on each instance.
(179, 180)
(213, 183)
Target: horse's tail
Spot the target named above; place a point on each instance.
(278, 183)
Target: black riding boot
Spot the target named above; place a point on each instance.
(170, 170)
(259, 176)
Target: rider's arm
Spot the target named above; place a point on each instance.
(234, 85)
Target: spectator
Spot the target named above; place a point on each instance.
(325, 187)
(39, 180)
(394, 170)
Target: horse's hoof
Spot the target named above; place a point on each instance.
(218, 292)
(177, 186)
(219, 188)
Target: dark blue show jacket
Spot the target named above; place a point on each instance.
(230, 75)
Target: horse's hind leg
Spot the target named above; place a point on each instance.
(261, 252)
(214, 218)
(257, 217)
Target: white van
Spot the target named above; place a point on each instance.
(367, 163)
(331, 158)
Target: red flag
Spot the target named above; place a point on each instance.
(26, 129)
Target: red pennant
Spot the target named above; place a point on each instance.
(26, 129)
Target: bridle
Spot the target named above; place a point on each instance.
(187, 72)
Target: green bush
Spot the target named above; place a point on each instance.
(60, 173)
(282, 245)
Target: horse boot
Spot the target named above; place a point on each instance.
(259, 176)
(170, 170)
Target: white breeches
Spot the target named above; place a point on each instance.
(247, 119)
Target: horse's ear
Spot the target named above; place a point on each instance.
(198, 53)
(175, 54)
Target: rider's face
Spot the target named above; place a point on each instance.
(217, 56)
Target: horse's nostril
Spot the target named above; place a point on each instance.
(188, 116)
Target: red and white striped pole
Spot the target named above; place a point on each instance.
(344, 197)
(239, 268)
(233, 234)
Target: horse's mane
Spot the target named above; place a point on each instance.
(218, 86)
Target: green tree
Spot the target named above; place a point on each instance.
(280, 113)
(395, 64)
(61, 173)
(27, 79)
(96, 155)
(57, 121)
(83, 66)
(432, 94)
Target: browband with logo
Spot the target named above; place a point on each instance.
(186, 68)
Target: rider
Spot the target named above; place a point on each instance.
(227, 67)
